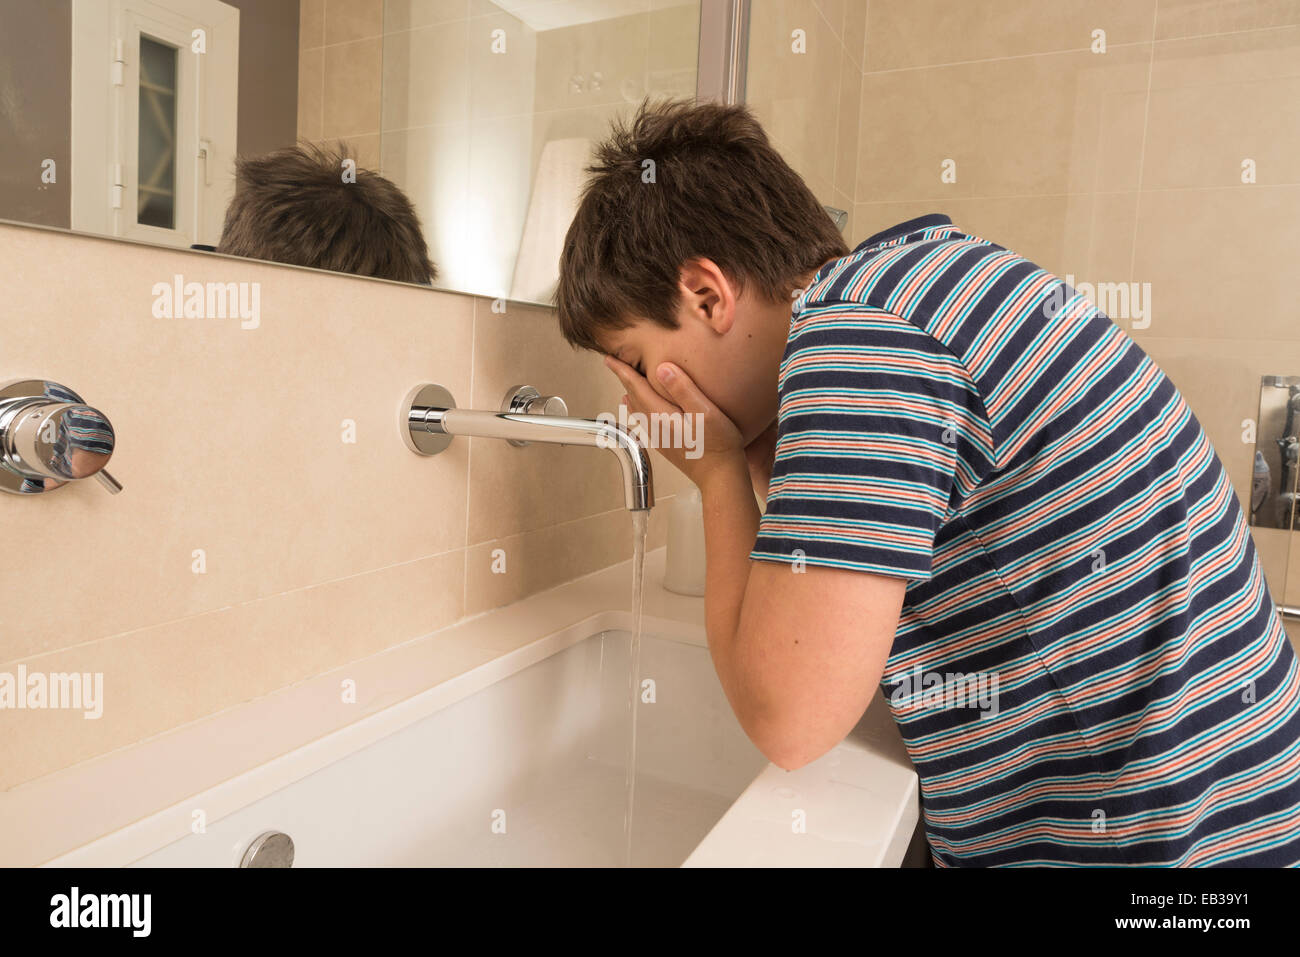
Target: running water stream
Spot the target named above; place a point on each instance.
(640, 522)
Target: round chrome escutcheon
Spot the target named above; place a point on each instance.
(48, 437)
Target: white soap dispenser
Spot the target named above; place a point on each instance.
(684, 566)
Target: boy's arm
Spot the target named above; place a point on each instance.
(799, 653)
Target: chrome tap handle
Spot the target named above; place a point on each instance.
(49, 437)
(528, 401)
(548, 405)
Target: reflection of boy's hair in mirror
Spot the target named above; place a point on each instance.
(295, 205)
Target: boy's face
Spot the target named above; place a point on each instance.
(730, 345)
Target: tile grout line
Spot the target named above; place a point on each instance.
(866, 20)
(1142, 146)
(321, 128)
(1110, 46)
(235, 605)
(862, 103)
(839, 99)
(469, 452)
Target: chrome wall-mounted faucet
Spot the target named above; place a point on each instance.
(49, 437)
(429, 420)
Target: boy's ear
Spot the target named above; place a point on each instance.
(706, 294)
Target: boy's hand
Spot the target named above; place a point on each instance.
(713, 438)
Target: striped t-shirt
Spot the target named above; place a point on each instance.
(1088, 668)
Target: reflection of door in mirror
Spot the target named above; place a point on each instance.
(154, 87)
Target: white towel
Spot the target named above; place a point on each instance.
(556, 187)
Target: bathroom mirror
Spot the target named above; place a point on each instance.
(1276, 477)
(123, 117)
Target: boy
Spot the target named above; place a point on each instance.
(983, 497)
(295, 206)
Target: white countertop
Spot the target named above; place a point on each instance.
(116, 808)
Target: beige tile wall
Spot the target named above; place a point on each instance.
(804, 85)
(1122, 166)
(231, 441)
(340, 71)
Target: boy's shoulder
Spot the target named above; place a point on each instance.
(847, 279)
(853, 280)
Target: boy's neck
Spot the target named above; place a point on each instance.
(806, 280)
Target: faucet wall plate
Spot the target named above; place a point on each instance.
(50, 437)
(415, 413)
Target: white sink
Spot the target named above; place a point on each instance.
(499, 741)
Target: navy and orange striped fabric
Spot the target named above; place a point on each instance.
(1088, 668)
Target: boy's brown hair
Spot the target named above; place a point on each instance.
(719, 191)
(293, 206)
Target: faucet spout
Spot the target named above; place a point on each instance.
(434, 414)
